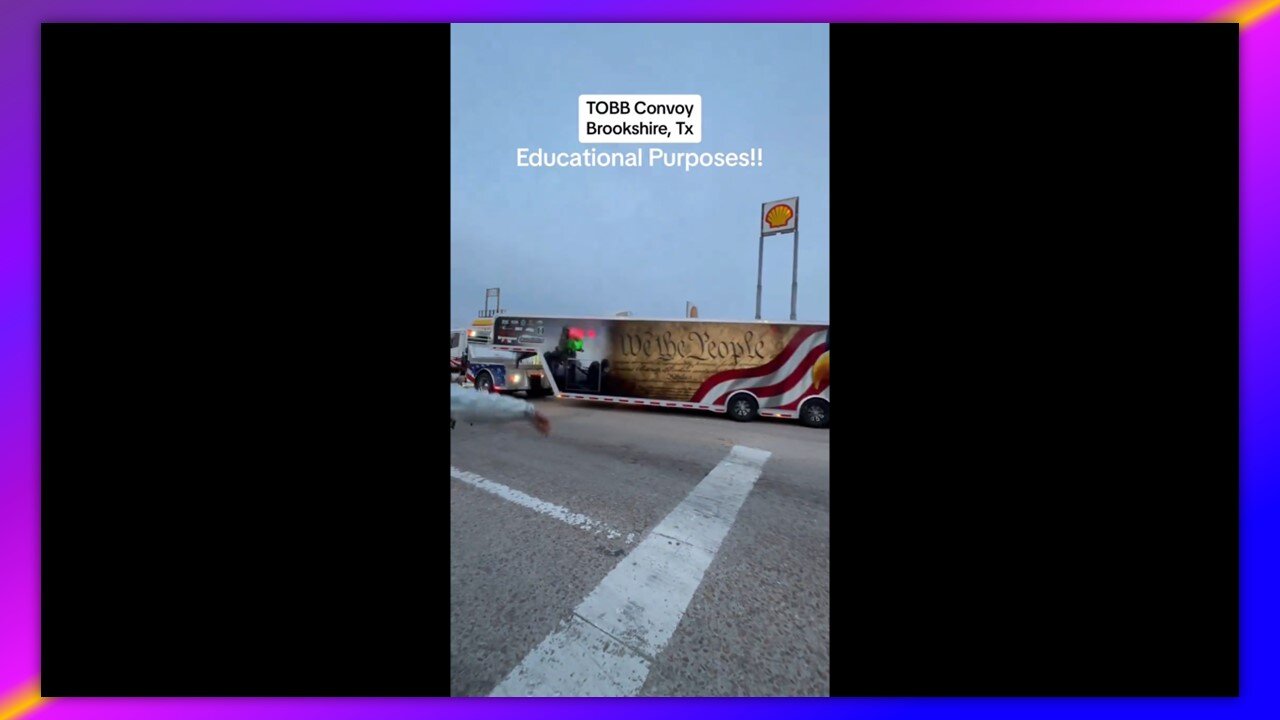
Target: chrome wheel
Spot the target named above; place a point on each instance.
(742, 407)
(816, 413)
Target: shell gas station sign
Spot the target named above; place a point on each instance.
(776, 218)
(779, 216)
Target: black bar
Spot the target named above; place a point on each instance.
(1037, 239)
(237, 271)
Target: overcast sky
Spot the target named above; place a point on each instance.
(596, 241)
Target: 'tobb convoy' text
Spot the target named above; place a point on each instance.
(639, 120)
(649, 119)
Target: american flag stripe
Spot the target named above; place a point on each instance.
(802, 336)
(791, 399)
(799, 375)
(784, 366)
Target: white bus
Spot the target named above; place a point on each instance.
(742, 369)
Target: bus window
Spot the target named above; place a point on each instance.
(455, 341)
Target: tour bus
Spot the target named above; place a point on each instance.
(742, 369)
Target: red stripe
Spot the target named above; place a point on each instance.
(794, 404)
(804, 368)
(769, 367)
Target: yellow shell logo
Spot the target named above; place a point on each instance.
(779, 215)
(822, 372)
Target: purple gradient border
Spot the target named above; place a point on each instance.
(19, 367)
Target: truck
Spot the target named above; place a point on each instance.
(743, 369)
(491, 368)
(458, 347)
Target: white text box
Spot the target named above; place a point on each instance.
(640, 119)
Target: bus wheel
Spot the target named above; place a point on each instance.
(484, 382)
(816, 413)
(742, 407)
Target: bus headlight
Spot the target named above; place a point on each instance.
(515, 378)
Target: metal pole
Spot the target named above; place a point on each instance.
(760, 276)
(795, 258)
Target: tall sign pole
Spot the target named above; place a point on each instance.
(778, 218)
(760, 276)
(795, 259)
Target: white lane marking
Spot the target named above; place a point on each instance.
(607, 647)
(564, 515)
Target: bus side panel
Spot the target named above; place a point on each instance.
(675, 363)
(810, 378)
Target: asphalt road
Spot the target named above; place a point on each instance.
(635, 552)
